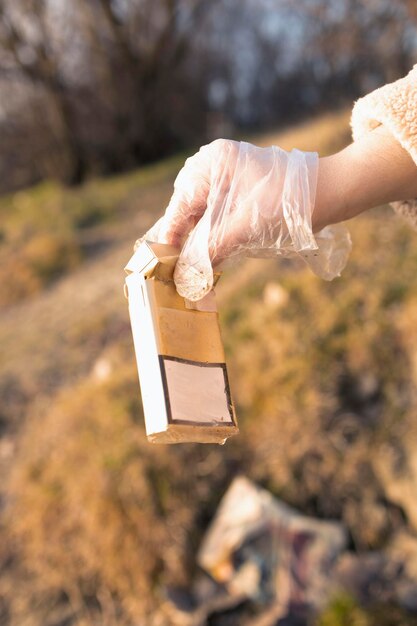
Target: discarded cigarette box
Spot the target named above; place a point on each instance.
(179, 354)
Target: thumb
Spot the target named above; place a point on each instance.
(193, 273)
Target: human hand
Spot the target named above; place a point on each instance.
(236, 199)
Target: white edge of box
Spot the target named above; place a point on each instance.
(142, 257)
(147, 356)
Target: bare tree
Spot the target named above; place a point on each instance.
(116, 92)
(30, 55)
(109, 83)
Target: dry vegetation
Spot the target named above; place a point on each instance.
(96, 520)
(48, 231)
(337, 380)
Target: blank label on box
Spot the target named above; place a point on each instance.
(198, 393)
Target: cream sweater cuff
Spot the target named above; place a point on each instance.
(394, 106)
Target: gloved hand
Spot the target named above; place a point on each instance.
(235, 199)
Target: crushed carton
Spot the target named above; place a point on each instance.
(179, 352)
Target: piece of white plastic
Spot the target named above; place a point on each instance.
(234, 199)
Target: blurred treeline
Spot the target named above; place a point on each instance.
(96, 86)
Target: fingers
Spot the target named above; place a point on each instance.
(189, 200)
(208, 169)
(198, 208)
(179, 219)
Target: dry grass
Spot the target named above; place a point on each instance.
(325, 134)
(344, 611)
(47, 231)
(99, 517)
(36, 263)
(329, 395)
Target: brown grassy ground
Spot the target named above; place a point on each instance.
(95, 520)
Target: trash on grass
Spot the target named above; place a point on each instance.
(264, 549)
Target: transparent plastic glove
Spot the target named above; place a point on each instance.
(234, 199)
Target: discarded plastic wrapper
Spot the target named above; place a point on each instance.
(259, 546)
(179, 354)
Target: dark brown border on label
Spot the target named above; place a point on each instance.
(163, 358)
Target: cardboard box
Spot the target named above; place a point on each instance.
(179, 352)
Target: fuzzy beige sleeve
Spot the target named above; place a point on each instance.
(394, 106)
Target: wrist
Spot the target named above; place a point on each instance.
(369, 172)
(328, 207)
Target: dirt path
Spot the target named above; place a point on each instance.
(53, 338)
